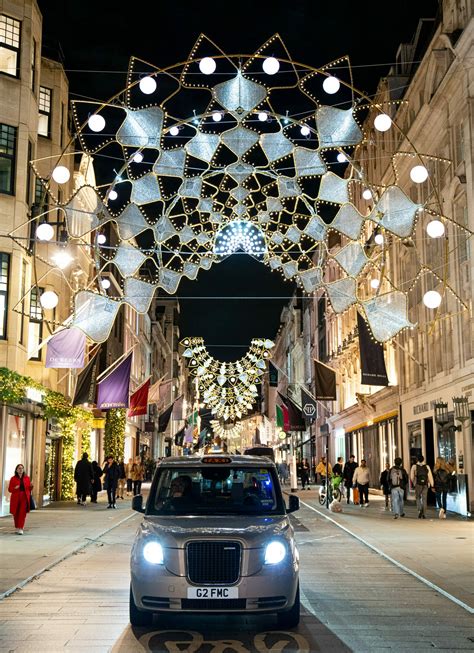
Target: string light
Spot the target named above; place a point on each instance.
(382, 122)
(271, 66)
(207, 65)
(435, 229)
(96, 123)
(419, 174)
(61, 174)
(147, 85)
(331, 85)
(432, 299)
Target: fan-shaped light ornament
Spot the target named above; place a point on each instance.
(435, 229)
(207, 65)
(432, 299)
(271, 66)
(44, 232)
(61, 175)
(49, 299)
(382, 122)
(419, 174)
(147, 85)
(96, 123)
(331, 85)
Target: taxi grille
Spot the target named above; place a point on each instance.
(213, 562)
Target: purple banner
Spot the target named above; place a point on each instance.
(113, 390)
(66, 349)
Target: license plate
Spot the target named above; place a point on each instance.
(213, 592)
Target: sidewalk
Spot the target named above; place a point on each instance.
(51, 534)
(439, 550)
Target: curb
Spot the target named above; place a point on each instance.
(56, 562)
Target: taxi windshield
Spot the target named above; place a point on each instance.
(215, 490)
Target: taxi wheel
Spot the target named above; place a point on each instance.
(139, 617)
(291, 618)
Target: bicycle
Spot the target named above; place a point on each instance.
(334, 490)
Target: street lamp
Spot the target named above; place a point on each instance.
(461, 410)
(441, 413)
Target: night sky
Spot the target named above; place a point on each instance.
(97, 39)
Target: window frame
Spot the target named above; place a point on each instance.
(13, 49)
(33, 71)
(35, 320)
(41, 112)
(4, 293)
(12, 158)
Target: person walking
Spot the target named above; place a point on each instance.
(122, 479)
(441, 476)
(20, 489)
(398, 480)
(385, 485)
(138, 473)
(348, 474)
(421, 479)
(361, 480)
(128, 471)
(97, 484)
(284, 472)
(338, 469)
(324, 470)
(84, 477)
(305, 472)
(111, 477)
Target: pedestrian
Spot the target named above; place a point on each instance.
(20, 488)
(97, 484)
(122, 479)
(305, 472)
(338, 468)
(398, 480)
(421, 479)
(323, 470)
(361, 480)
(138, 474)
(348, 474)
(441, 476)
(128, 471)
(385, 485)
(84, 477)
(284, 472)
(111, 477)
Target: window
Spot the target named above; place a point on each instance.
(29, 188)
(7, 158)
(9, 46)
(33, 66)
(35, 328)
(44, 107)
(23, 298)
(4, 272)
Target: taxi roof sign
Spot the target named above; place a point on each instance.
(213, 460)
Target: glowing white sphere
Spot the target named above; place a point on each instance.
(105, 283)
(174, 131)
(432, 299)
(419, 174)
(61, 174)
(375, 283)
(382, 122)
(379, 239)
(101, 239)
(147, 85)
(331, 85)
(305, 130)
(207, 65)
(435, 229)
(62, 259)
(138, 157)
(49, 299)
(367, 194)
(216, 116)
(271, 66)
(262, 116)
(44, 231)
(113, 195)
(96, 123)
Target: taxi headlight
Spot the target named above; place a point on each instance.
(153, 552)
(275, 552)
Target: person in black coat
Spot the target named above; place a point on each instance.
(348, 474)
(84, 477)
(97, 484)
(385, 484)
(111, 477)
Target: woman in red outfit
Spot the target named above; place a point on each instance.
(20, 488)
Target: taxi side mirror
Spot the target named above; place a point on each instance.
(294, 503)
(137, 503)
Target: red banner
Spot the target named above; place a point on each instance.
(139, 400)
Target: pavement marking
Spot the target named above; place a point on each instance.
(89, 541)
(424, 580)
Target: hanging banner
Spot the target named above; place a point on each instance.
(295, 416)
(164, 418)
(154, 392)
(372, 362)
(272, 375)
(86, 382)
(309, 407)
(113, 391)
(139, 400)
(325, 380)
(178, 408)
(66, 349)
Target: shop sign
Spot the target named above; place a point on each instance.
(423, 408)
(35, 395)
(149, 427)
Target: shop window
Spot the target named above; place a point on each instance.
(7, 158)
(10, 46)
(44, 107)
(4, 278)
(15, 450)
(35, 327)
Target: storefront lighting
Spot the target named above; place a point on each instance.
(441, 413)
(461, 409)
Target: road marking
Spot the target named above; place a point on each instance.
(424, 580)
(24, 582)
